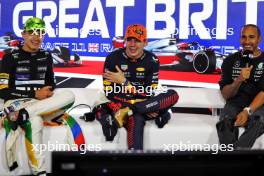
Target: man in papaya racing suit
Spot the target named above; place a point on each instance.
(27, 84)
(130, 79)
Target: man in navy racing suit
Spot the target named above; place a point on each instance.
(130, 79)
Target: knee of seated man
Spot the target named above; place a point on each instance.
(36, 122)
(69, 94)
(256, 120)
(173, 92)
(225, 124)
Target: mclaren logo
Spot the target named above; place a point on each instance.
(140, 69)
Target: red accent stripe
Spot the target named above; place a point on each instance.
(79, 140)
(130, 132)
(169, 101)
(96, 68)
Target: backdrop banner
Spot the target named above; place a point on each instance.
(88, 26)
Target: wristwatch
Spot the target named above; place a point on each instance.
(249, 110)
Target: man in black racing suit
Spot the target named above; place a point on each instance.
(130, 79)
(26, 84)
(242, 85)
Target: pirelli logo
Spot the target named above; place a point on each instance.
(4, 77)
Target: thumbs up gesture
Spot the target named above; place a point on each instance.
(245, 73)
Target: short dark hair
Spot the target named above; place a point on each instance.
(253, 25)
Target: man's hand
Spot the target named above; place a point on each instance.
(115, 77)
(245, 73)
(241, 118)
(44, 92)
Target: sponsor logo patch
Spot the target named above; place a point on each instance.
(4, 76)
(22, 69)
(42, 69)
(23, 62)
(140, 69)
(124, 67)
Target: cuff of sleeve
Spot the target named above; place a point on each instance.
(32, 94)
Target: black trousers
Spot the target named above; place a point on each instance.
(228, 133)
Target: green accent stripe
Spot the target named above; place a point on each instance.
(28, 131)
(7, 127)
(67, 106)
(70, 121)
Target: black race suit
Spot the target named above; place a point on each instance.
(227, 132)
(23, 72)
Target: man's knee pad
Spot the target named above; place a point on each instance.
(163, 119)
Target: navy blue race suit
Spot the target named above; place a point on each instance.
(143, 75)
